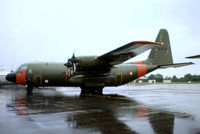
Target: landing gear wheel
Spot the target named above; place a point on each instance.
(29, 90)
(91, 90)
(97, 91)
(83, 90)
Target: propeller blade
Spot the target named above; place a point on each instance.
(71, 62)
(73, 56)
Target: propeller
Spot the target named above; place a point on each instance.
(71, 63)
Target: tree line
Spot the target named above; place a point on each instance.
(185, 78)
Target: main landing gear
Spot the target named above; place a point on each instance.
(29, 90)
(91, 90)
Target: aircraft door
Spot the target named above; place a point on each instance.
(38, 80)
(118, 78)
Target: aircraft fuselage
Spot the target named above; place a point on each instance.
(57, 74)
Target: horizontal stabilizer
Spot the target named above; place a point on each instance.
(176, 65)
(193, 57)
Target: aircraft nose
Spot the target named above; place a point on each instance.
(11, 77)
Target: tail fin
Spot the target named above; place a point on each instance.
(161, 55)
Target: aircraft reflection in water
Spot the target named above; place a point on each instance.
(96, 114)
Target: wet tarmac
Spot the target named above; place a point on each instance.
(149, 109)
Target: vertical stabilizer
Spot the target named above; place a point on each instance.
(161, 55)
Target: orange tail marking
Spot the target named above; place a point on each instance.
(138, 62)
(142, 68)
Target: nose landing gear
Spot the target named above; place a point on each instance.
(29, 90)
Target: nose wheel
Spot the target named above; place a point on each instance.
(29, 90)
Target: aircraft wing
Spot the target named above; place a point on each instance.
(105, 61)
(127, 52)
(175, 65)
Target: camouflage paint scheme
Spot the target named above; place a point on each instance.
(93, 73)
(56, 74)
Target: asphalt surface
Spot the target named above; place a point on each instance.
(149, 109)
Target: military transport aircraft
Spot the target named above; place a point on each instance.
(93, 73)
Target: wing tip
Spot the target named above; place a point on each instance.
(148, 42)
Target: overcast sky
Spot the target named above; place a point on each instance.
(51, 30)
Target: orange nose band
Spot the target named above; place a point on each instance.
(21, 77)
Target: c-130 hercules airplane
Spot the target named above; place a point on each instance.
(93, 73)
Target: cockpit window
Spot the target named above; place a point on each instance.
(20, 73)
(22, 67)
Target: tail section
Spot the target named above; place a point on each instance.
(161, 55)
